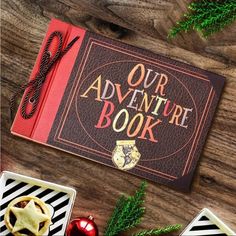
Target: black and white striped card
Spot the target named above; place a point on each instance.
(59, 199)
(206, 223)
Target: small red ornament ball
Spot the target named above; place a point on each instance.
(82, 226)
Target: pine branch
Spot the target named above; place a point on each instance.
(206, 17)
(165, 230)
(127, 213)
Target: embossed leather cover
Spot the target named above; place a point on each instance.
(125, 107)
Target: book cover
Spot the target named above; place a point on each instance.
(124, 107)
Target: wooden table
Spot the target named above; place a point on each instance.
(144, 24)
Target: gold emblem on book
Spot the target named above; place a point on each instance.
(125, 156)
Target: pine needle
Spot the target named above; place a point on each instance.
(127, 213)
(206, 16)
(161, 231)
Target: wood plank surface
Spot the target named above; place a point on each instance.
(144, 24)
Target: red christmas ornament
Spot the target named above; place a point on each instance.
(82, 226)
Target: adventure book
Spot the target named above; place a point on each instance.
(122, 106)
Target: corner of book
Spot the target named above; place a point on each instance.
(57, 23)
(22, 127)
(184, 183)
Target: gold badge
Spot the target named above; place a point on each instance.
(125, 155)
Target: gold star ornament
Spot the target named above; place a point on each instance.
(27, 215)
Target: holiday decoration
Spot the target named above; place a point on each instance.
(123, 109)
(207, 223)
(128, 214)
(207, 17)
(82, 227)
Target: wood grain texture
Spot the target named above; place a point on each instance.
(144, 24)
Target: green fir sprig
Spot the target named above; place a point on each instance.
(164, 230)
(127, 213)
(207, 17)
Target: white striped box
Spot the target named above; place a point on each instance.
(59, 199)
(207, 223)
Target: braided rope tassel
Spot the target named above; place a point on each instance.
(35, 85)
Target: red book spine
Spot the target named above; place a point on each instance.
(39, 126)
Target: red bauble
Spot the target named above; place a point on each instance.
(82, 227)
